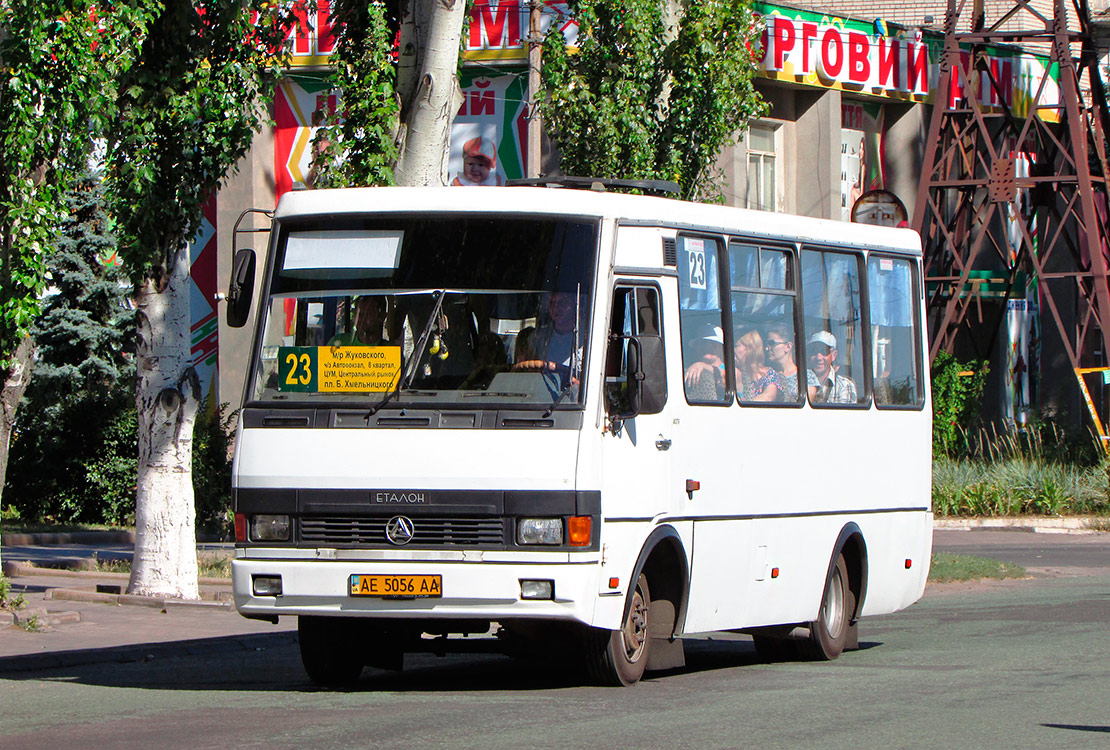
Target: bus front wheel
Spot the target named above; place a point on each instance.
(618, 657)
(828, 634)
(329, 650)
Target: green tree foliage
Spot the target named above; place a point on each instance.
(356, 147)
(645, 97)
(59, 60)
(187, 112)
(73, 451)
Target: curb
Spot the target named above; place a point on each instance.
(144, 652)
(78, 595)
(1032, 524)
(67, 537)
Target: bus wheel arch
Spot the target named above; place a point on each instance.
(653, 608)
(836, 628)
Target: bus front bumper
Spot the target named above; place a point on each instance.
(469, 590)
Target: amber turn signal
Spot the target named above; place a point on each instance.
(578, 531)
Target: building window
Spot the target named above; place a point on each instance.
(762, 188)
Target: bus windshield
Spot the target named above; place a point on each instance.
(444, 310)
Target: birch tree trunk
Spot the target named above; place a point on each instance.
(15, 383)
(428, 87)
(165, 561)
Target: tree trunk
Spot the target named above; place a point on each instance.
(165, 561)
(428, 86)
(15, 383)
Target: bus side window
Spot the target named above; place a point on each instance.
(763, 300)
(835, 347)
(635, 315)
(894, 315)
(703, 341)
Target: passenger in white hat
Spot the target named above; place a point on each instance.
(825, 383)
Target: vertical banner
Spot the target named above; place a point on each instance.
(203, 308)
(492, 119)
(299, 105)
(861, 153)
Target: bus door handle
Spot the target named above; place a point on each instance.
(663, 443)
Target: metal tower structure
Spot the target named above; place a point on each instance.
(1016, 190)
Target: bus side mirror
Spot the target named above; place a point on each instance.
(653, 371)
(645, 376)
(241, 288)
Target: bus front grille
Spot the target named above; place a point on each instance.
(371, 532)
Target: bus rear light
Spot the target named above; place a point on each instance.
(909, 563)
(240, 527)
(270, 528)
(579, 528)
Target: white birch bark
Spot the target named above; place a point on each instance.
(165, 561)
(429, 89)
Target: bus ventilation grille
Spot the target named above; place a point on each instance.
(436, 532)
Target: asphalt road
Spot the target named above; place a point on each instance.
(1008, 664)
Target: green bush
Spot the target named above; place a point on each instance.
(212, 438)
(957, 389)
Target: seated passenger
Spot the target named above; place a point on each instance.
(826, 385)
(778, 348)
(368, 324)
(705, 378)
(754, 380)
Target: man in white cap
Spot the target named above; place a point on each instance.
(826, 385)
(479, 164)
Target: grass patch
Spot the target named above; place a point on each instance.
(210, 566)
(44, 527)
(949, 568)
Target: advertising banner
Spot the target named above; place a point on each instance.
(825, 51)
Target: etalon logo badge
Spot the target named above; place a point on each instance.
(399, 530)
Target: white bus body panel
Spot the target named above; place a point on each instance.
(777, 485)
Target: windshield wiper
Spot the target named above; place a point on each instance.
(417, 354)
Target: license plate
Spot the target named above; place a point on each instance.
(397, 587)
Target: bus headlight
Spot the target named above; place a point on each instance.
(539, 531)
(269, 528)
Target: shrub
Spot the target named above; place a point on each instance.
(957, 388)
(212, 438)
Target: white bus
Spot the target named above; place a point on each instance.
(587, 420)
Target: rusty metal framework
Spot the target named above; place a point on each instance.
(982, 218)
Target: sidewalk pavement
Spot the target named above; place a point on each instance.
(66, 621)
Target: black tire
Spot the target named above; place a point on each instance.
(329, 650)
(828, 634)
(618, 657)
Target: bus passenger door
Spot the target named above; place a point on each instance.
(636, 457)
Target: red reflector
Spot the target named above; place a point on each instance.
(692, 485)
(578, 529)
(774, 572)
(614, 583)
(909, 563)
(240, 527)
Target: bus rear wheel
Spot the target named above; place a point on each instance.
(329, 650)
(828, 634)
(618, 657)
